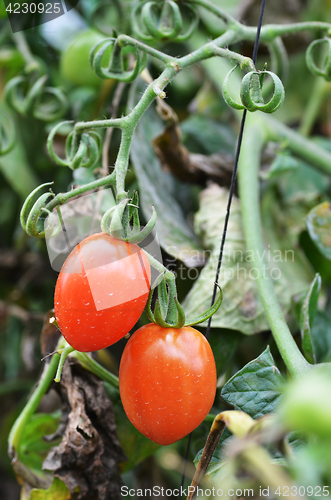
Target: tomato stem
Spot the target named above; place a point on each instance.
(32, 405)
(320, 90)
(31, 63)
(62, 198)
(63, 355)
(254, 139)
(94, 367)
(298, 144)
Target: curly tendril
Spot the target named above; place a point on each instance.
(325, 72)
(82, 150)
(116, 67)
(226, 94)
(34, 99)
(163, 21)
(251, 92)
(31, 212)
(7, 132)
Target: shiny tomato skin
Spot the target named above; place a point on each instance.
(101, 292)
(167, 381)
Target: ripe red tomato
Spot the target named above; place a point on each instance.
(167, 381)
(101, 291)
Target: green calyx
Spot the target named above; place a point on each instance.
(123, 223)
(168, 313)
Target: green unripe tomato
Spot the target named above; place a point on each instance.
(74, 62)
(306, 404)
(11, 62)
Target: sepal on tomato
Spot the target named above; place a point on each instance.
(168, 312)
(207, 314)
(123, 223)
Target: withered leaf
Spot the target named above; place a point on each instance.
(87, 458)
(190, 167)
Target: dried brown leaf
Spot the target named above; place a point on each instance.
(87, 459)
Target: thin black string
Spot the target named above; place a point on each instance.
(185, 461)
(228, 208)
(234, 173)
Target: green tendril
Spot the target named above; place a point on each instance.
(31, 211)
(325, 72)
(115, 68)
(34, 99)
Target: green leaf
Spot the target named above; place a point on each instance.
(33, 449)
(207, 136)
(220, 472)
(224, 343)
(255, 388)
(242, 309)
(57, 491)
(307, 315)
(159, 189)
(283, 162)
(318, 223)
(320, 263)
(321, 336)
(303, 184)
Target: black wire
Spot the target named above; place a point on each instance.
(227, 216)
(228, 208)
(258, 32)
(234, 173)
(185, 462)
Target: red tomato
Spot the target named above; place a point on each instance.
(167, 381)
(101, 291)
